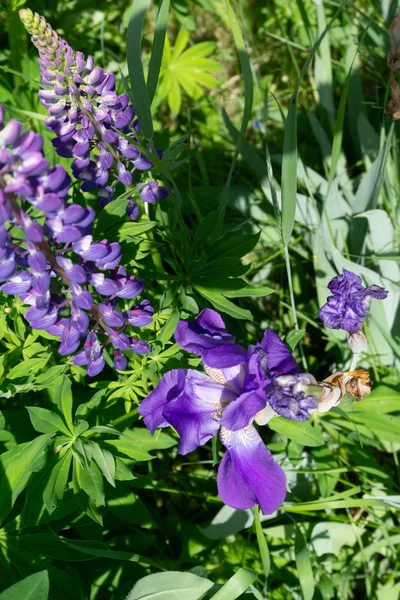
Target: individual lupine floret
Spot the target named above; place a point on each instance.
(92, 123)
(48, 258)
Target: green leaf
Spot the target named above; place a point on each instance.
(34, 587)
(383, 399)
(143, 438)
(301, 433)
(262, 543)
(132, 230)
(64, 400)
(18, 471)
(168, 329)
(294, 338)
(105, 461)
(171, 585)
(223, 304)
(158, 48)
(247, 75)
(46, 421)
(57, 482)
(289, 171)
(28, 367)
(129, 448)
(303, 565)
(134, 51)
(235, 586)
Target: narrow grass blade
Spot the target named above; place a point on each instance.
(289, 157)
(136, 76)
(248, 94)
(235, 586)
(289, 171)
(262, 543)
(303, 565)
(158, 48)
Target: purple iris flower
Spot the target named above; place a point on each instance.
(239, 387)
(347, 308)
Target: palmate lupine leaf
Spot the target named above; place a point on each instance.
(187, 70)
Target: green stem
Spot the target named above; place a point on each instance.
(262, 545)
(292, 302)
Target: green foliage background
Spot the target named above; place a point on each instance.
(282, 169)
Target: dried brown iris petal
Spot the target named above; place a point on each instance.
(351, 383)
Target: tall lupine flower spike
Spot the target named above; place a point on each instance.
(49, 259)
(92, 123)
(240, 386)
(347, 307)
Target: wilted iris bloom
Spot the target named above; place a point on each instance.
(356, 384)
(239, 387)
(347, 307)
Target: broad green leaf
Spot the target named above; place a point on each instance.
(383, 399)
(171, 585)
(18, 473)
(228, 521)
(33, 587)
(57, 482)
(46, 421)
(303, 565)
(236, 585)
(301, 433)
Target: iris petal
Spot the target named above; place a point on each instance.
(248, 474)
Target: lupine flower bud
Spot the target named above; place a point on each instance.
(92, 123)
(53, 265)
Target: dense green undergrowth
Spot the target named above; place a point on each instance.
(283, 169)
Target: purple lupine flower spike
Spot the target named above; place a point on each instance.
(239, 387)
(92, 123)
(347, 307)
(59, 253)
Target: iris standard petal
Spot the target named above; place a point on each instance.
(248, 474)
(280, 359)
(204, 333)
(225, 356)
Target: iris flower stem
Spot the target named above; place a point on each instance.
(262, 545)
(353, 362)
(292, 302)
